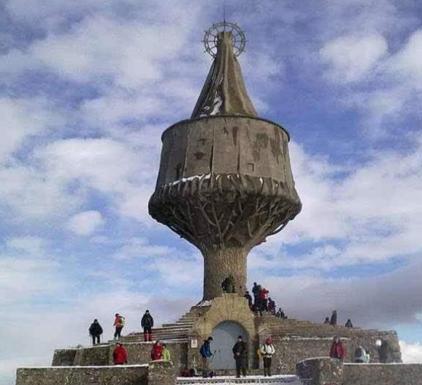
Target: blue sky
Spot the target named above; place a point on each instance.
(87, 87)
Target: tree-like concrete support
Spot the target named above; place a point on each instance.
(218, 265)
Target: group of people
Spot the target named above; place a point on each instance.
(240, 355)
(338, 351)
(261, 300)
(159, 351)
(147, 323)
(333, 320)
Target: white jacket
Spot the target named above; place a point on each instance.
(267, 350)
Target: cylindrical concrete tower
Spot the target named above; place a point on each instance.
(225, 181)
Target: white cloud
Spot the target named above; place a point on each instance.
(368, 214)
(86, 222)
(21, 119)
(411, 353)
(109, 166)
(351, 58)
(27, 193)
(407, 61)
(28, 244)
(25, 268)
(141, 249)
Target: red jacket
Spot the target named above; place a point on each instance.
(157, 352)
(118, 321)
(120, 355)
(263, 294)
(337, 350)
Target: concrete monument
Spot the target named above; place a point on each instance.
(225, 181)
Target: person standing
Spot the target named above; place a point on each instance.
(119, 354)
(271, 306)
(147, 323)
(166, 353)
(349, 323)
(255, 291)
(337, 349)
(206, 354)
(361, 355)
(333, 319)
(95, 331)
(119, 323)
(157, 351)
(240, 353)
(280, 313)
(263, 299)
(267, 351)
(327, 321)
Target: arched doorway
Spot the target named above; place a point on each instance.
(224, 336)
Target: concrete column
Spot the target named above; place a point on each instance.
(218, 265)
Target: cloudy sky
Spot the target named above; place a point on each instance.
(86, 89)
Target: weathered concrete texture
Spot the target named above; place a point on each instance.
(218, 264)
(96, 355)
(225, 145)
(353, 337)
(291, 350)
(321, 371)
(162, 373)
(138, 353)
(382, 374)
(327, 371)
(116, 375)
(64, 357)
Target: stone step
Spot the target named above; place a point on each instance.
(177, 324)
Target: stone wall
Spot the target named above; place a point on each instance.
(64, 357)
(321, 371)
(141, 353)
(96, 355)
(116, 375)
(138, 353)
(291, 350)
(162, 373)
(382, 374)
(327, 371)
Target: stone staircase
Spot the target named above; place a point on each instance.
(178, 330)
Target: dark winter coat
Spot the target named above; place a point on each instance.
(240, 350)
(205, 349)
(255, 290)
(333, 320)
(95, 329)
(147, 321)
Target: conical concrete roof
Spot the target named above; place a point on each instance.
(224, 91)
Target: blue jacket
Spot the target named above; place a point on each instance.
(205, 350)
